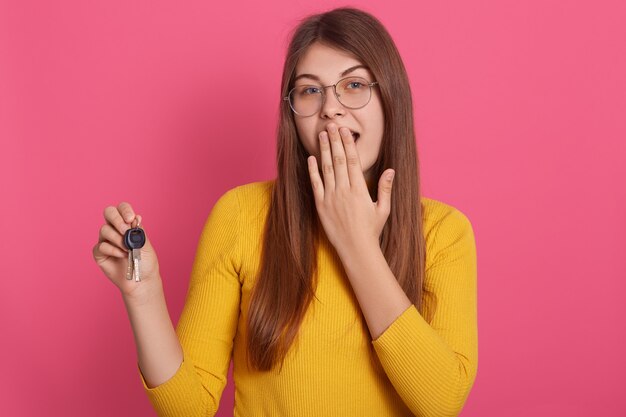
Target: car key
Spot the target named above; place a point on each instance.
(134, 239)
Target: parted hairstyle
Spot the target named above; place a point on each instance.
(287, 278)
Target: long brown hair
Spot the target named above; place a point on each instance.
(288, 269)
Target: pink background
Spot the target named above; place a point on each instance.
(520, 110)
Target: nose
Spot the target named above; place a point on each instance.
(331, 107)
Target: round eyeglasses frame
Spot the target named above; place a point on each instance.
(323, 91)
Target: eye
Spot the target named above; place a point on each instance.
(357, 83)
(309, 90)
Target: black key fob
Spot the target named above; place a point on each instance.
(134, 238)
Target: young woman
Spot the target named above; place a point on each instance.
(336, 289)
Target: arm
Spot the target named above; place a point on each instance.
(431, 365)
(158, 349)
(206, 327)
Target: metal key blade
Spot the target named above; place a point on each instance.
(129, 270)
(136, 259)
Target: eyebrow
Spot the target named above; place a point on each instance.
(315, 77)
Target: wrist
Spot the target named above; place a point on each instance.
(363, 251)
(361, 246)
(143, 291)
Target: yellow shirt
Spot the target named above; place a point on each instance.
(429, 367)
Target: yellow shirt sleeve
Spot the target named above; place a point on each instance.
(208, 322)
(433, 365)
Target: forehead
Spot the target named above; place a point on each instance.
(327, 63)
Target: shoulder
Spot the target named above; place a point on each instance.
(249, 193)
(444, 226)
(244, 198)
(251, 200)
(240, 211)
(434, 212)
(254, 191)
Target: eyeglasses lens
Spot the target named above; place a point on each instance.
(353, 93)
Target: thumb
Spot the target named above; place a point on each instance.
(384, 191)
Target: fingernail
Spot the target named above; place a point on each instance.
(390, 175)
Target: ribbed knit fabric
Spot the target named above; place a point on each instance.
(428, 367)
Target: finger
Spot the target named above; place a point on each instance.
(327, 163)
(316, 180)
(353, 161)
(105, 248)
(114, 218)
(137, 221)
(339, 158)
(384, 191)
(109, 234)
(127, 212)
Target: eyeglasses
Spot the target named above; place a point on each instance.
(352, 92)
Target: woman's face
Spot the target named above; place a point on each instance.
(329, 65)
